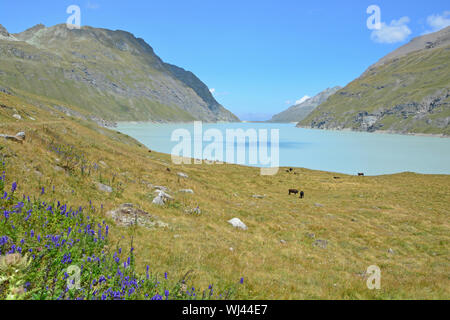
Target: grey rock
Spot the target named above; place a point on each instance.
(128, 215)
(159, 201)
(164, 194)
(104, 187)
(183, 175)
(162, 198)
(21, 135)
(187, 191)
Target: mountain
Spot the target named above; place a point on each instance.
(408, 91)
(300, 111)
(104, 73)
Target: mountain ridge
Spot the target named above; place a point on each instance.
(300, 111)
(109, 74)
(407, 92)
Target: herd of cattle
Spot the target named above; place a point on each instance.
(302, 193)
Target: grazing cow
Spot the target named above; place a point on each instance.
(293, 191)
(302, 195)
(336, 178)
(360, 174)
(168, 169)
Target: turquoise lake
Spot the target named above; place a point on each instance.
(335, 151)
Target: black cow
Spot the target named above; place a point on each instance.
(302, 195)
(293, 191)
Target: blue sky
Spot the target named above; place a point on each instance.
(258, 56)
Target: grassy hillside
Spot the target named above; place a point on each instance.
(410, 94)
(398, 222)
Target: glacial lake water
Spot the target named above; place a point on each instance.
(335, 151)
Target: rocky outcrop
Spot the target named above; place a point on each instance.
(130, 215)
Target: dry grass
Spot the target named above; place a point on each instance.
(360, 217)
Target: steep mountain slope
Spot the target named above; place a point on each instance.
(408, 91)
(108, 74)
(300, 111)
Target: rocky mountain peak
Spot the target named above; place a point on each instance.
(3, 31)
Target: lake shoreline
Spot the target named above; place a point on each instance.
(430, 135)
(339, 151)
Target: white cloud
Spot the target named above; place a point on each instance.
(212, 90)
(438, 21)
(302, 100)
(396, 31)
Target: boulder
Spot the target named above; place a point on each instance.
(237, 223)
(161, 198)
(164, 195)
(104, 187)
(182, 175)
(17, 116)
(187, 191)
(128, 215)
(21, 135)
(19, 138)
(158, 201)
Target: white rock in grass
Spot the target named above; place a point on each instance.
(159, 201)
(21, 135)
(104, 187)
(237, 223)
(163, 195)
(187, 191)
(183, 175)
(17, 116)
